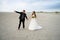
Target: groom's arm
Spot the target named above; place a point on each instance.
(18, 12)
(26, 17)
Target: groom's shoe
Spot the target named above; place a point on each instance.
(23, 27)
(18, 28)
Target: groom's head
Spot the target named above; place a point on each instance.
(23, 11)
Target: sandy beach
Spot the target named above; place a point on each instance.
(50, 23)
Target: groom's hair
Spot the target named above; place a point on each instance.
(23, 10)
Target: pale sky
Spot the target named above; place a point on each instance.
(29, 5)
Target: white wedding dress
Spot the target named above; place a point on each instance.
(34, 25)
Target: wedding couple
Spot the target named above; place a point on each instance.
(33, 24)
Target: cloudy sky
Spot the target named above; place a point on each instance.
(30, 5)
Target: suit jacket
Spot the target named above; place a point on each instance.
(22, 15)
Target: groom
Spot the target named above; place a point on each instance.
(22, 18)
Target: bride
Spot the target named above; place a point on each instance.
(33, 24)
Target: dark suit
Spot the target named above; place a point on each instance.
(22, 19)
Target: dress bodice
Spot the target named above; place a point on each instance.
(33, 16)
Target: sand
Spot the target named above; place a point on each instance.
(49, 21)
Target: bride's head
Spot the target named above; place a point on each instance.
(34, 13)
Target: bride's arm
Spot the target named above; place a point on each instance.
(30, 16)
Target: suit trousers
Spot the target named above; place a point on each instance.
(23, 22)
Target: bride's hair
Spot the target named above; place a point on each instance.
(34, 13)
